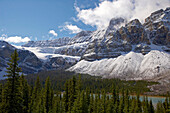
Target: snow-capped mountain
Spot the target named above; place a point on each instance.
(128, 50)
(129, 66)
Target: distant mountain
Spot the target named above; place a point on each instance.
(128, 50)
(29, 62)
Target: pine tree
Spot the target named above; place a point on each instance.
(133, 105)
(103, 102)
(66, 97)
(79, 83)
(151, 108)
(48, 96)
(35, 95)
(114, 94)
(79, 104)
(145, 105)
(160, 108)
(95, 104)
(127, 104)
(91, 106)
(57, 105)
(138, 108)
(72, 93)
(121, 105)
(0, 93)
(25, 94)
(166, 104)
(87, 97)
(40, 107)
(11, 101)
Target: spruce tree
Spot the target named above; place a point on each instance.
(40, 106)
(48, 96)
(66, 97)
(91, 106)
(25, 94)
(160, 108)
(79, 105)
(138, 108)
(12, 101)
(133, 105)
(151, 108)
(103, 102)
(0, 93)
(35, 95)
(72, 93)
(127, 104)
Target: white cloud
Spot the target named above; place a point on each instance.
(128, 9)
(53, 33)
(14, 39)
(72, 28)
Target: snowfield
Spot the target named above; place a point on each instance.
(130, 66)
(44, 53)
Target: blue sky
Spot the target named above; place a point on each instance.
(25, 20)
(35, 18)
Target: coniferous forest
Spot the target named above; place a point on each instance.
(74, 94)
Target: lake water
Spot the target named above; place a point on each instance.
(154, 99)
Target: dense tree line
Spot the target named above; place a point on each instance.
(17, 96)
(94, 83)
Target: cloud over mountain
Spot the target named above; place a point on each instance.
(128, 9)
(53, 33)
(15, 39)
(71, 28)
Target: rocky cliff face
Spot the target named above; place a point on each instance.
(154, 34)
(157, 25)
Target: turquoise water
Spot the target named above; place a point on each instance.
(155, 100)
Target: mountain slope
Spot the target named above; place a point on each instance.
(33, 63)
(129, 66)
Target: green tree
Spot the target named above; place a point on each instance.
(160, 108)
(40, 107)
(80, 104)
(66, 97)
(151, 108)
(0, 93)
(91, 106)
(48, 96)
(35, 95)
(103, 102)
(72, 93)
(133, 105)
(138, 108)
(25, 93)
(127, 104)
(145, 105)
(11, 98)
